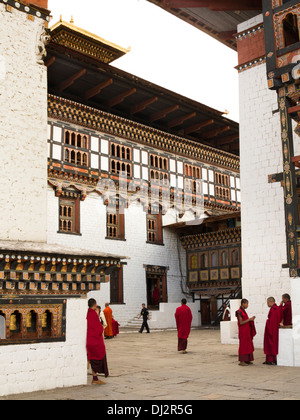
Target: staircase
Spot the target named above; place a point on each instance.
(235, 294)
(136, 322)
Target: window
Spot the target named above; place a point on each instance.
(235, 257)
(192, 171)
(120, 151)
(116, 286)
(117, 167)
(204, 261)
(214, 259)
(115, 226)
(69, 215)
(154, 229)
(159, 162)
(2, 326)
(224, 258)
(290, 29)
(194, 262)
(159, 177)
(76, 141)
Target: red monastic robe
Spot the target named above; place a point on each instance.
(115, 327)
(94, 340)
(271, 339)
(286, 310)
(246, 334)
(108, 332)
(183, 316)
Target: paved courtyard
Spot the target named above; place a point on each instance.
(148, 367)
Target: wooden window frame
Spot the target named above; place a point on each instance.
(115, 224)
(74, 219)
(117, 293)
(154, 229)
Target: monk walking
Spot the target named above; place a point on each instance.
(183, 316)
(271, 338)
(108, 332)
(246, 334)
(95, 344)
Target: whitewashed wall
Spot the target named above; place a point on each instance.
(23, 129)
(263, 217)
(38, 367)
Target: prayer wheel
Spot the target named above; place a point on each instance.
(44, 320)
(13, 322)
(29, 320)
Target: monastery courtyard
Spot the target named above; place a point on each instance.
(148, 367)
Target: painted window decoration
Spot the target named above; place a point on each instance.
(291, 29)
(32, 321)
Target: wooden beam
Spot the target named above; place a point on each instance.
(162, 114)
(120, 98)
(198, 126)
(180, 120)
(50, 61)
(142, 105)
(227, 140)
(72, 79)
(217, 5)
(97, 89)
(296, 161)
(216, 132)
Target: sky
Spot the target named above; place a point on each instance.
(164, 50)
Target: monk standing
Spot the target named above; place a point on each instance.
(108, 332)
(95, 344)
(183, 316)
(246, 334)
(286, 311)
(271, 339)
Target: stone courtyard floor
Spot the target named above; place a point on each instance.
(148, 367)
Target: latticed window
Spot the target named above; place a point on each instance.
(154, 228)
(74, 141)
(159, 162)
(115, 225)
(69, 215)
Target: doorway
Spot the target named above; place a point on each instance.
(205, 312)
(156, 290)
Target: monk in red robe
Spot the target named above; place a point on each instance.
(95, 344)
(155, 296)
(183, 316)
(271, 338)
(286, 311)
(115, 327)
(246, 334)
(108, 332)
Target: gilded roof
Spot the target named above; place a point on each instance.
(87, 43)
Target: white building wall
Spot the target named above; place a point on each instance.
(263, 217)
(38, 367)
(93, 233)
(23, 129)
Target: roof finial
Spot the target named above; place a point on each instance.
(60, 19)
(72, 20)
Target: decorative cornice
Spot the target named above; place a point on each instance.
(76, 113)
(43, 273)
(205, 240)
(77, 39)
